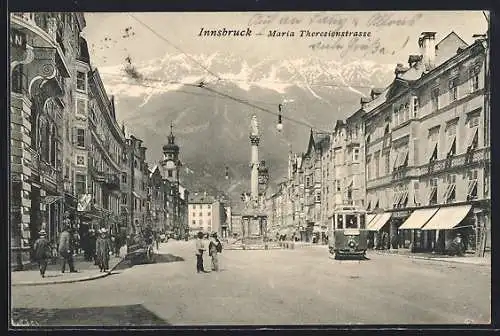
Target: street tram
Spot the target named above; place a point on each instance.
(348, 236)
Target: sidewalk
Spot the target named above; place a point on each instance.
(467, 259)
(86, 271)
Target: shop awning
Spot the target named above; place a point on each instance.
(135, 194)
(447, 218)
(418, 219)
(369, 219)
(379, 221)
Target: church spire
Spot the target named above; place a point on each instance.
(171, 137)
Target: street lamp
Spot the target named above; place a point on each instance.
(279, 126)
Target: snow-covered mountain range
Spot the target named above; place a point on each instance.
(212, 129)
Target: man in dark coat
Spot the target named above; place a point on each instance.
(42, 251)
(66, 250)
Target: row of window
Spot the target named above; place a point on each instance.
(201, 214)
(208, 206)
(430, 195)
(200, 222)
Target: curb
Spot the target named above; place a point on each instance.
(54, 282)
(88, 278)
(430, 258)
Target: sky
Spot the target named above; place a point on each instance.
(393, 35)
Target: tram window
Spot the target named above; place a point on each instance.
(340, 224)
(362, 224)
(352, 222)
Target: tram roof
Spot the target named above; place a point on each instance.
(349, 209)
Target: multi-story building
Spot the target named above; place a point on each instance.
(44, 47)
(138, 175)
(427, 147)
(100, 144)
(206, 214)
(311, 164)
(236, 225)
(155, 206)
(176, 194)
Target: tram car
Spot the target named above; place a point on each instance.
(348, 236)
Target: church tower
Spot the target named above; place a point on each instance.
(170, 163)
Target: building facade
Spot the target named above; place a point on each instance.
(428, 150)
(138, 174)
(155, 206)
(205, 214)
(100, 145)
(44, 48)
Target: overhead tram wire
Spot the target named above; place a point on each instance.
(174, 46)
(242, 101)
(218, 78)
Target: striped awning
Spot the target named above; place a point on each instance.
(379, 221)
(447, 218)
(418, 219)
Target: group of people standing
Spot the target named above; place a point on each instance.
(98, 247)
(214, 247)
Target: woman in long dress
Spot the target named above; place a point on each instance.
(103, 251)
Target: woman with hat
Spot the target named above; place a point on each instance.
(103, 250)
(42, 251)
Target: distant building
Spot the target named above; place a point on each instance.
(206, 214)
(176, 195)
(138, 174)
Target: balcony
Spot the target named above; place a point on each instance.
(379, 182)
(473, 157)
(112, 181)
(99, 176)
(48, 174)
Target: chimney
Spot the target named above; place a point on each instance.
(363, 101)
(427, 45)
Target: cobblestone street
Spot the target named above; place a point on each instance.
(266, 288)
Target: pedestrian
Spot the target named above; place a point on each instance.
(92, 242)
(42, 251)
(200, 248)
(76, 242)
(103, 250)
(84, 239)
(214, 248)
(118, 244)
(66, 250)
